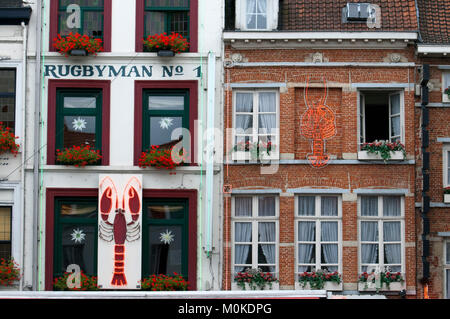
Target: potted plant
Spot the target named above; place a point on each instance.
(8, 141)
(446, 95)
(77, 45)
(319, 280)
(166, 45)
(86, 282)
(254, 278)
(9, 272)
(447, 194)
(382, 150)
(252, 150)
(162, 158)
(79, 156)
(165, 283)
(388, 281)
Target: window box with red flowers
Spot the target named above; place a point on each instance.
(8, 141)
(446, 95)
(165, 158)
(447, 195)
(389, 281)
(249, 151)
(87, 283)
(330, 281)
(166, 45)
(77, 45)
(164, 283)
(9, 274)
(382, 150)
(254, 279)
(78, 156)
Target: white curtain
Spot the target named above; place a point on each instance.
(391, 206)
(329, 206)
(369, 206)
(243, 233)
(244, 103)
(266, 233)
(251, 6)
(392, 233)
(306, 232)
(267, 103)
(243, 206)
(306, 205)
(266, 206)
(262, 6)
(369, 252)
(329, 233)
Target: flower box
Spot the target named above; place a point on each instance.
(78, 52)
(393, 286)
(166, 45)
(329, 285)
(79, 156)
(275, 286)
(165, 53)
(447, 198)
(162, 158)
(77, 45)
(366, 156)
(8, 141)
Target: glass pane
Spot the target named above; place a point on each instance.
(80, 102)
(8, 111)
(302, 269)
(5, 223)
(64, 29)
(166, 211)
(161, 129)
(251, 21)
(155, 23)
(395, 126)
(266, 232)
(391, 231)
(93, 23)
(243, 206)
(306, 205)
(261, 22)
(7, 81)
(267, 123)
(243, 232)
(329, 231)
(165, 244)
(395, 104)
(369, 253)
(329, 268)
(267, 268)
(244, 102)
(169, 102)
(395, 268)
(448, 169)
(79, 131)
(244, 124)
(261, 6)
(88, 210)
(392, 254)
(167, 3)
(83, 3)
(243, 255)
(268, 102)
(448, 253)
(329, 206)
(266, 254)
(306, 231)
(369, 206)
(266, 206)
(369, 231)
(391, 206)
(5, 250)
(306, 254)
(78, 247)
(329, 253)
(448, 283)
(179, 23)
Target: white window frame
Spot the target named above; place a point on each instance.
(361, 115)
(274, 153)
(255, 219)
(16, 219)
(381, 219)
(445, 98)
(19, 107)
(318, 219)
(272, 15)
(445, 165)
(446, 267)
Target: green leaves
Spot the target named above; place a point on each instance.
(317, 279)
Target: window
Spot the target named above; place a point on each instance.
(252, 15)
(86, 17)
(256, 118)
(446, 164)
(79, 120)
(165, 113)
(318, 233)
(381, 116)
(5, 232)
(381, 232)
(255, 233)
(447, 269)
(75, 235)
(165, 237)
(8, 98)
(445, 85)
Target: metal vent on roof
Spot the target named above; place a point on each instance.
(357, 11)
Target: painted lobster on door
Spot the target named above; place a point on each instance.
(318, 124)
(120, 208)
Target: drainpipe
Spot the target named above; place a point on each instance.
(36, 152)
(22, 173)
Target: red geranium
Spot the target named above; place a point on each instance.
(8, 141)
(174, 42)
(78, 156)
(77, 41)
(161, 158)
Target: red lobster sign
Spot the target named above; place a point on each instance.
(318, 124)
(119, 231)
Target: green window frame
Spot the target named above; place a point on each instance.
(87, 7)
(166, 16)
(8, 97)
(77, 222)
(79, 112)
(163, 113)
(181, 221)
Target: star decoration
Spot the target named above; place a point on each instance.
(165, 123)
(78, 235)
(167, 237)
(79, 124)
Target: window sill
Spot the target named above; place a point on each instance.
(447, 198)
(123, 168)
(329, 286)
(394, 286)
(246, 156)
(275, 286)
(366, 156)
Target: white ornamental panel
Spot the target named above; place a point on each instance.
(119, 231)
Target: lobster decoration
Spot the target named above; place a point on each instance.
(119, 221)
(318, 124)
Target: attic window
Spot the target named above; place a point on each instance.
(357, 12)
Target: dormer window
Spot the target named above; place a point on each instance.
(256, 15)
(358, 12)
